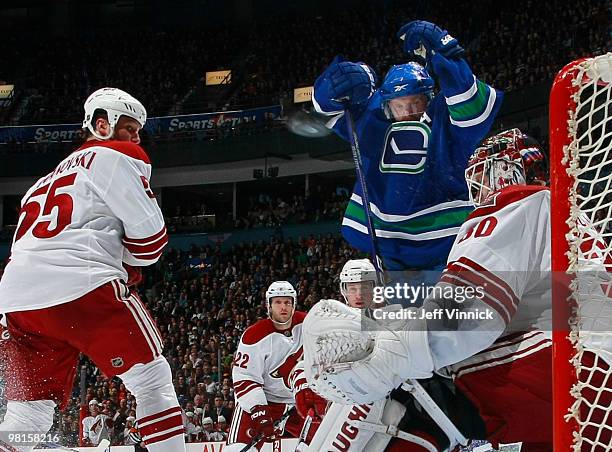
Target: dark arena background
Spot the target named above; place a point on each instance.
(252, 185)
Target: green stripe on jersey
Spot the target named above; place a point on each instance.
(429, 222)
(473, 106)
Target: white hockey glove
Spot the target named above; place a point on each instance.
(347, 365)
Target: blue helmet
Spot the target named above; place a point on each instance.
(406, 79)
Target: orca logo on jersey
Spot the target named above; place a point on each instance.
(405, 149)
(5, 336)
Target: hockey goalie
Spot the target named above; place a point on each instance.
(501, 361)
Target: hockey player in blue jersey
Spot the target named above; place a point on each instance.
(414, 145)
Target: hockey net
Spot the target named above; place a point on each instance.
(581, 188)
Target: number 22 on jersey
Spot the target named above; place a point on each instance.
(41, 204)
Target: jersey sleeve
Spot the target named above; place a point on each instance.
(496, 254)
(126, 191)
(247, 374)
(472, 104)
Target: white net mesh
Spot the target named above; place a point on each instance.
(589, 162)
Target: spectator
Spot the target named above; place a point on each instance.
(212, 433)
(96, 426)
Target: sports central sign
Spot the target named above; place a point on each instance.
(154, 126)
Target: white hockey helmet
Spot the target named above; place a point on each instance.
(356, 270)
(280, 289)
(115, 103)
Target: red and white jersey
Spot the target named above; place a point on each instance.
(95, 429)
(264, 361)
(80, 223)
(504, 248)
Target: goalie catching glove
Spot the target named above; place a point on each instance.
(348, 365)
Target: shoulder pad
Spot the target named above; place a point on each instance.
(505, 197)
(262, 329)
(258, 331)
(298, 317)
(127, 148)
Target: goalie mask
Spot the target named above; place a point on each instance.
(406, 92)
(280, 289)
(357, 282)
(115, 103)
(508, 158)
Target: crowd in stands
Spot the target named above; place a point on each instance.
(57, 73)
(262, 211)
(202, 299)
(510, 44)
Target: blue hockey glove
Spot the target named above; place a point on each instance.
(434, 39)
(350, 83)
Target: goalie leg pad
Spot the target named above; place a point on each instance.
(31, 417)
(337, 432)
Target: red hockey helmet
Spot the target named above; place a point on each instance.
(508, 158)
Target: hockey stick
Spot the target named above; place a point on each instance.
(435, 412)
(413, 386)
(304, 433)
(260, 438)
(365, 199)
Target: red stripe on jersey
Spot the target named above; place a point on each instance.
(145, 240)
(152, 417)
(149, 257)
(491, 284)
(473, 280)
(492, 361)
(149, 249)
(505, 197)
(496, 305)
(243, 387)
(157, 439)
(507, 290)
(176, 420)
(500, 282)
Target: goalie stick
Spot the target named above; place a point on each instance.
(412, 386)
(301, 445)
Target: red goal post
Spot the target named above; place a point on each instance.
(581, 192)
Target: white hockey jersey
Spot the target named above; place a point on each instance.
(504, 248)
(264, 361)
(95, 429)
(80, 223)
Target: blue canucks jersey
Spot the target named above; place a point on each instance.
(414, 170)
